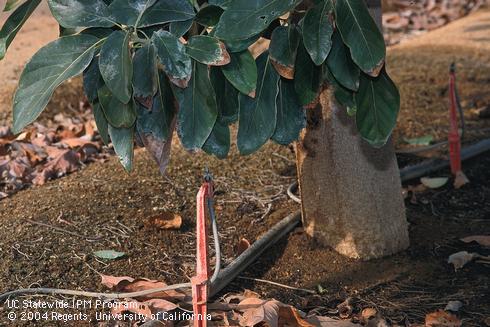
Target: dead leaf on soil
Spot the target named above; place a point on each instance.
(66, 162)
(441, 318)
(145, 308)
(128, 284)
(460, 259)
(483, 240)
(460, 180)
(330, 322)
(435, 182)
(345, 308)
(242, 246)
(453, 306)
(166, 220)
(256, 311)
(289, 316)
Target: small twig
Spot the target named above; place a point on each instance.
(278, 284)
(52, 291)
(59, 229)
(283, 157)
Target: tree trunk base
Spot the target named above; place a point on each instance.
(351, 192)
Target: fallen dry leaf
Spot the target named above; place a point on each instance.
(483, 240)
(166, 220)
(460, 180)
(146, 308)
(435, 182)
(256, 311)
(289, 316)
(453, 306)
(367, 314)
(242, 246)
(128, 284)
(330, 322)
(441, 318)
(460, 259)
(66, 162)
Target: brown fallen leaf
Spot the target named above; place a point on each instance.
(128, 284)
(66, 162)
(242, 246)
(289, 316)
(146, 308)
(460, 180)
(460, 259)
(483, 240)
(113, 281)
(256, 311)
(166, 220)
(345, 308)
(441, 318)
(330, 322)
(77, 142)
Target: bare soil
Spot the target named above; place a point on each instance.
(108, 209)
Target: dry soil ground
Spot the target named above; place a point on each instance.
(103, 202)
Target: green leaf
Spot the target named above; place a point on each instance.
(221, 3)
(241, 72)
(80, 13)
(307, 80)
(317, 32)
(49, 67)
(218, 142)
(423, 140)
(378, 103)
(98, 32)
(345, 98)
(435, 182)
(226, 96)
(291, 117)
(118, 114)
(283, 49)
(11, 4)
(173, 56)
(208, 50)
(14, 23)
(361, 34)
(150, 12)
(241, 45)
(158, 120)
(341, 65)
(180, 28)
(123, 142)
(257, 121)
(209, 15)
(92, 80)
(115, 65)
(101, 122)
(109, 254)
(145, 74)
(198, 109)
(244, 18)
(128, 12)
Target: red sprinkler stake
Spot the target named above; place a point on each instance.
(200, 281)
(454, 138)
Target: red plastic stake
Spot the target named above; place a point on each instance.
(200, 281)
(454, 138)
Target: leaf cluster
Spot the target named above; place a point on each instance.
(154, 66)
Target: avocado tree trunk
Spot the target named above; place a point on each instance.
(351, 192)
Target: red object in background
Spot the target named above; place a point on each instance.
(454, 137)
(200, 281)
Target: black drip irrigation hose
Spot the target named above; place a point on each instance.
(251, 254)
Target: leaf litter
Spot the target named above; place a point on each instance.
(43, 153)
